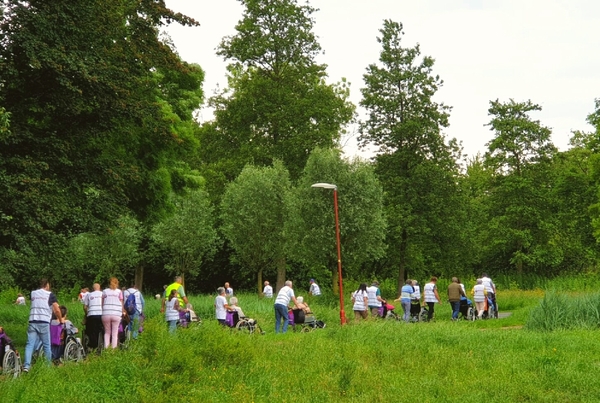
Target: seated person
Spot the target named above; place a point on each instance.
(233, 305)
(4, 341)
(57, 337)
(302, 305)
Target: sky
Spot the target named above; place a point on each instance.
(546, 51)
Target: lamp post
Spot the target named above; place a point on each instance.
(339, 250)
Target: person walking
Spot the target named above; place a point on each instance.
(431, 296)
(490, 288)
(455, 292)
(221, 306)
(172, 310)
(314, 289)
(284, 296)
(134, 320)
(112, 312)
(406, 295)
(479, 296)
(92, 306)
(43, 305)
(360, 301)
(374, 296)
(177, 285)
(268, 290)
(228, 291)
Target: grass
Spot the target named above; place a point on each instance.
(378, 361)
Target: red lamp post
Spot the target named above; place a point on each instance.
(339, 249)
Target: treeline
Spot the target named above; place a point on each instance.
(104, 169)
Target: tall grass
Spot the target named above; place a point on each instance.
(566, 311)
(374, 360)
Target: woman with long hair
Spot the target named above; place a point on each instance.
(360, 299)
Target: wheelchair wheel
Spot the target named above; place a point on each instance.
(423, 315)
(243, 326)
(491, 312)
(11, 364)
(470, 314)
(306, 329)
(72, 352)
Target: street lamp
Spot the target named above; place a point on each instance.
(339, 250)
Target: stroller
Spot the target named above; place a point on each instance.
(9, 357)
(466, 309)
(307, 321)
(243, 324)
(386, 311)
(66, 347)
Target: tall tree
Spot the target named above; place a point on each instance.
(522, 225)
(278, 104)
(310, 229)
(90, 135)
(254, 214)
(417, 168)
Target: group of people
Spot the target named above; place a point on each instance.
(367, 299)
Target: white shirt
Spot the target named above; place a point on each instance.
(479, 293)
(113, 302)
(359, 301)
(488, 284)
(314, 289)
(417, 293)
(229, 291)
(372, 295)
(220, 310)
(429, 292)
(170, 312)
(268, 291)
(284, 296)
(21, 300)
(93, 301)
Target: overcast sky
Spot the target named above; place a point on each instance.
(544, 50)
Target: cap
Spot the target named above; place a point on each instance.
(312, 280)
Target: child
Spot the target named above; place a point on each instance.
(57, 337)
(20, 299)
(172, 310)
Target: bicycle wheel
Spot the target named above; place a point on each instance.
(72, 352)
(11, 364)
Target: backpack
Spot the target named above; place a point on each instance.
(130, 306)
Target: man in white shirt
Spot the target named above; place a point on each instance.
(92, 305)
(314, 290)
(490, 288)
(228, 291)
(285, 295)
(268, 290)
(375, 299)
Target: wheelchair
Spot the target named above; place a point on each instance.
(11, 361)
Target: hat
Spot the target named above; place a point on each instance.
(375, 282)
(312, 280)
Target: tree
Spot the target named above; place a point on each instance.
(86, 84)
(278, 104)
(310, 229)
(417, 169)
(522, 225)
(253, 214)
(188, 236)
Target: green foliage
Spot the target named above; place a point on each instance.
(416, 167)
(189, 235)
(311, 228)
(253, 213)
(278, 105)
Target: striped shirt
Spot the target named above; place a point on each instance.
(112, 302)
(41, 302)
(429, 292)
(93, 301)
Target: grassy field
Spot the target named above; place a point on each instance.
(375, 361)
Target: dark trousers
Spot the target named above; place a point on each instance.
(430, 307)
(93, 330)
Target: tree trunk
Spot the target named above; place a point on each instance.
(139, 277)
(280, 273)
(260, 281)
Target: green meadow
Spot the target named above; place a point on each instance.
(545, 351)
